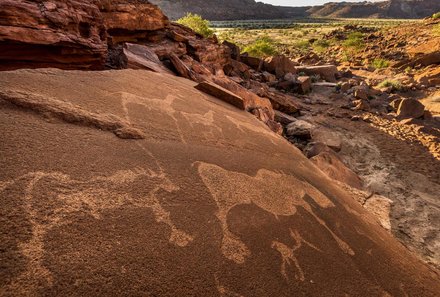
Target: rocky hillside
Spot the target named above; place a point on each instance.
(228, 9)
(135, 181)
(398, 9)
(250, 9)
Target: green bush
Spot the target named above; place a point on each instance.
(197, 23)
(320, 45)
(302, 46)
(380, 63)
(262, 47)
(436, 15)
(354, 40)
(395, 85)
(436, 30)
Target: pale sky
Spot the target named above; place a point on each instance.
(307, 2)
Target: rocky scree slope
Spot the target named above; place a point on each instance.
(116, 214)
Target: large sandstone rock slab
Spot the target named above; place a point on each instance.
(139, 56)
(327, 72)
(59, 33)
(221, 93)
(280, 65)
(209, 202)
(251, 100)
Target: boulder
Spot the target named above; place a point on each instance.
(327, 137)
(182, 69)
(361, 93)
(176, 36)
(286, 85)
(289, 76)
(326, 72)
(221, 93)
(345, 86)
(268, 77)
(263, 115)
(304, 84)
(236, 68)
(380, 206)
(300, 129)
(283, 102)
(361, 105)
(253, 62)
(206, 51)
(410, 108)
(139, 56)
(283, 118)
(330, 163)
(234, 50)
(62, 34)
(279, 65)
(315, 148)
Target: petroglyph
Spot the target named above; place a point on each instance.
(288, 254)
(66, 197)
(259, 129)
(166, 105)
(230, 189)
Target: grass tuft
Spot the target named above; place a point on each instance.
(380, 63)
(394, 84)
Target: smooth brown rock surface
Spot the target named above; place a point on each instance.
(209, 203)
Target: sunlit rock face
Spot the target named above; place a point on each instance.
(202, 200)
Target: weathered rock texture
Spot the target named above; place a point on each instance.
(130, 20)
(209, 203)
(64, 34)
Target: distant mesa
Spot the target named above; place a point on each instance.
(250, 9)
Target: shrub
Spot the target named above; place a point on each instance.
(436, 15)
(395, 85)
(436, 30)
(380, 63)
(262, 47)
(320, 45)
(197, 23)
(302, 45)
(354, 40)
